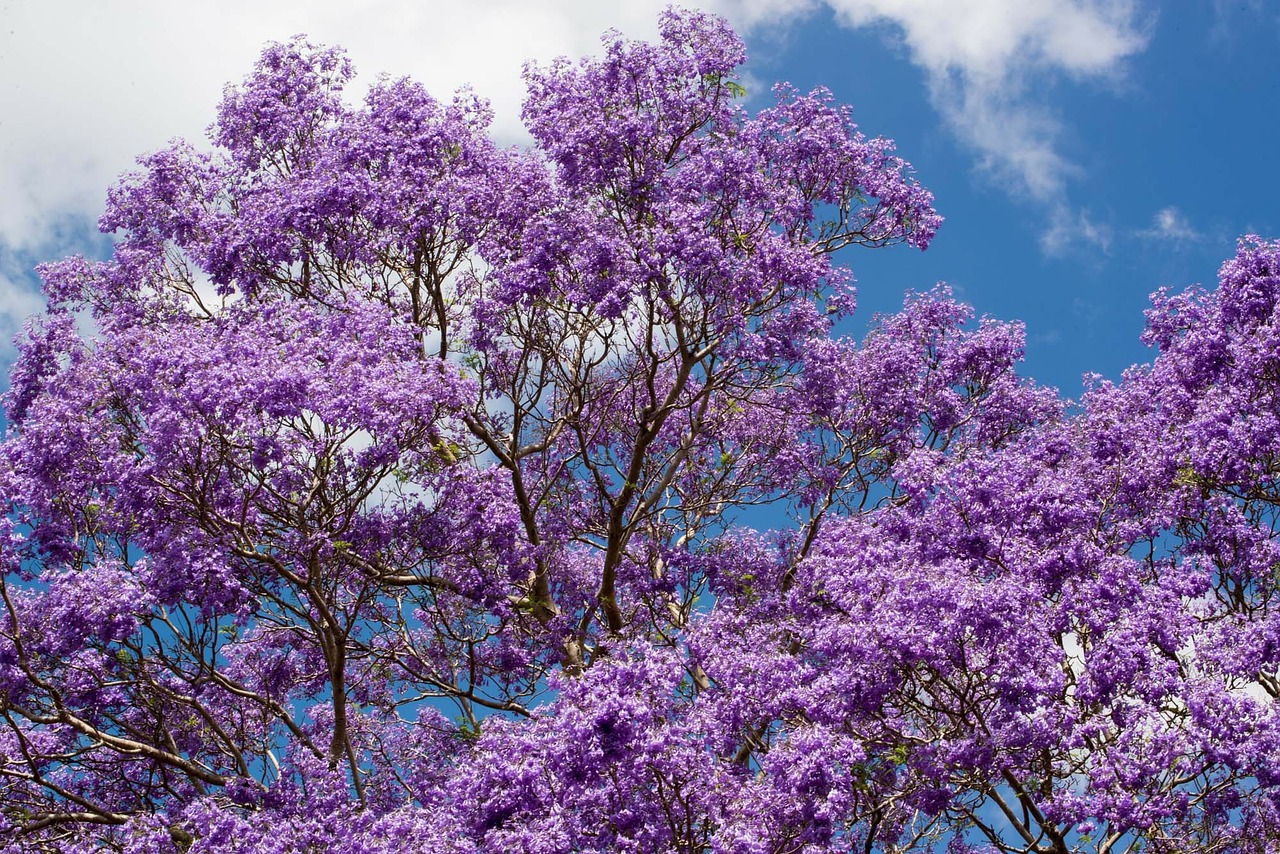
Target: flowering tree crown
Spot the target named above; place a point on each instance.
(385, 492)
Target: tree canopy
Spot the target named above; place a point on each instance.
(392, 491)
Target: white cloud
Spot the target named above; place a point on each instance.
(986, 59)
(18, 301)
(988, 63)
(1170, 224)
(1069, 229)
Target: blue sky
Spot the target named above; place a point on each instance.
(1084, 153)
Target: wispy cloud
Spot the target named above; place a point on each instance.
(1068, 227)
(1171, 225)
(987, 63)
(1230, 15)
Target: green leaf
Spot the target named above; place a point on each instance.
(467, 732)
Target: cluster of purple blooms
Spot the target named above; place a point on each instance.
(385, 491)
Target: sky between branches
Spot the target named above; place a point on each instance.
(1084, 153)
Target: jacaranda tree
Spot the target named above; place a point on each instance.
(388, 490)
